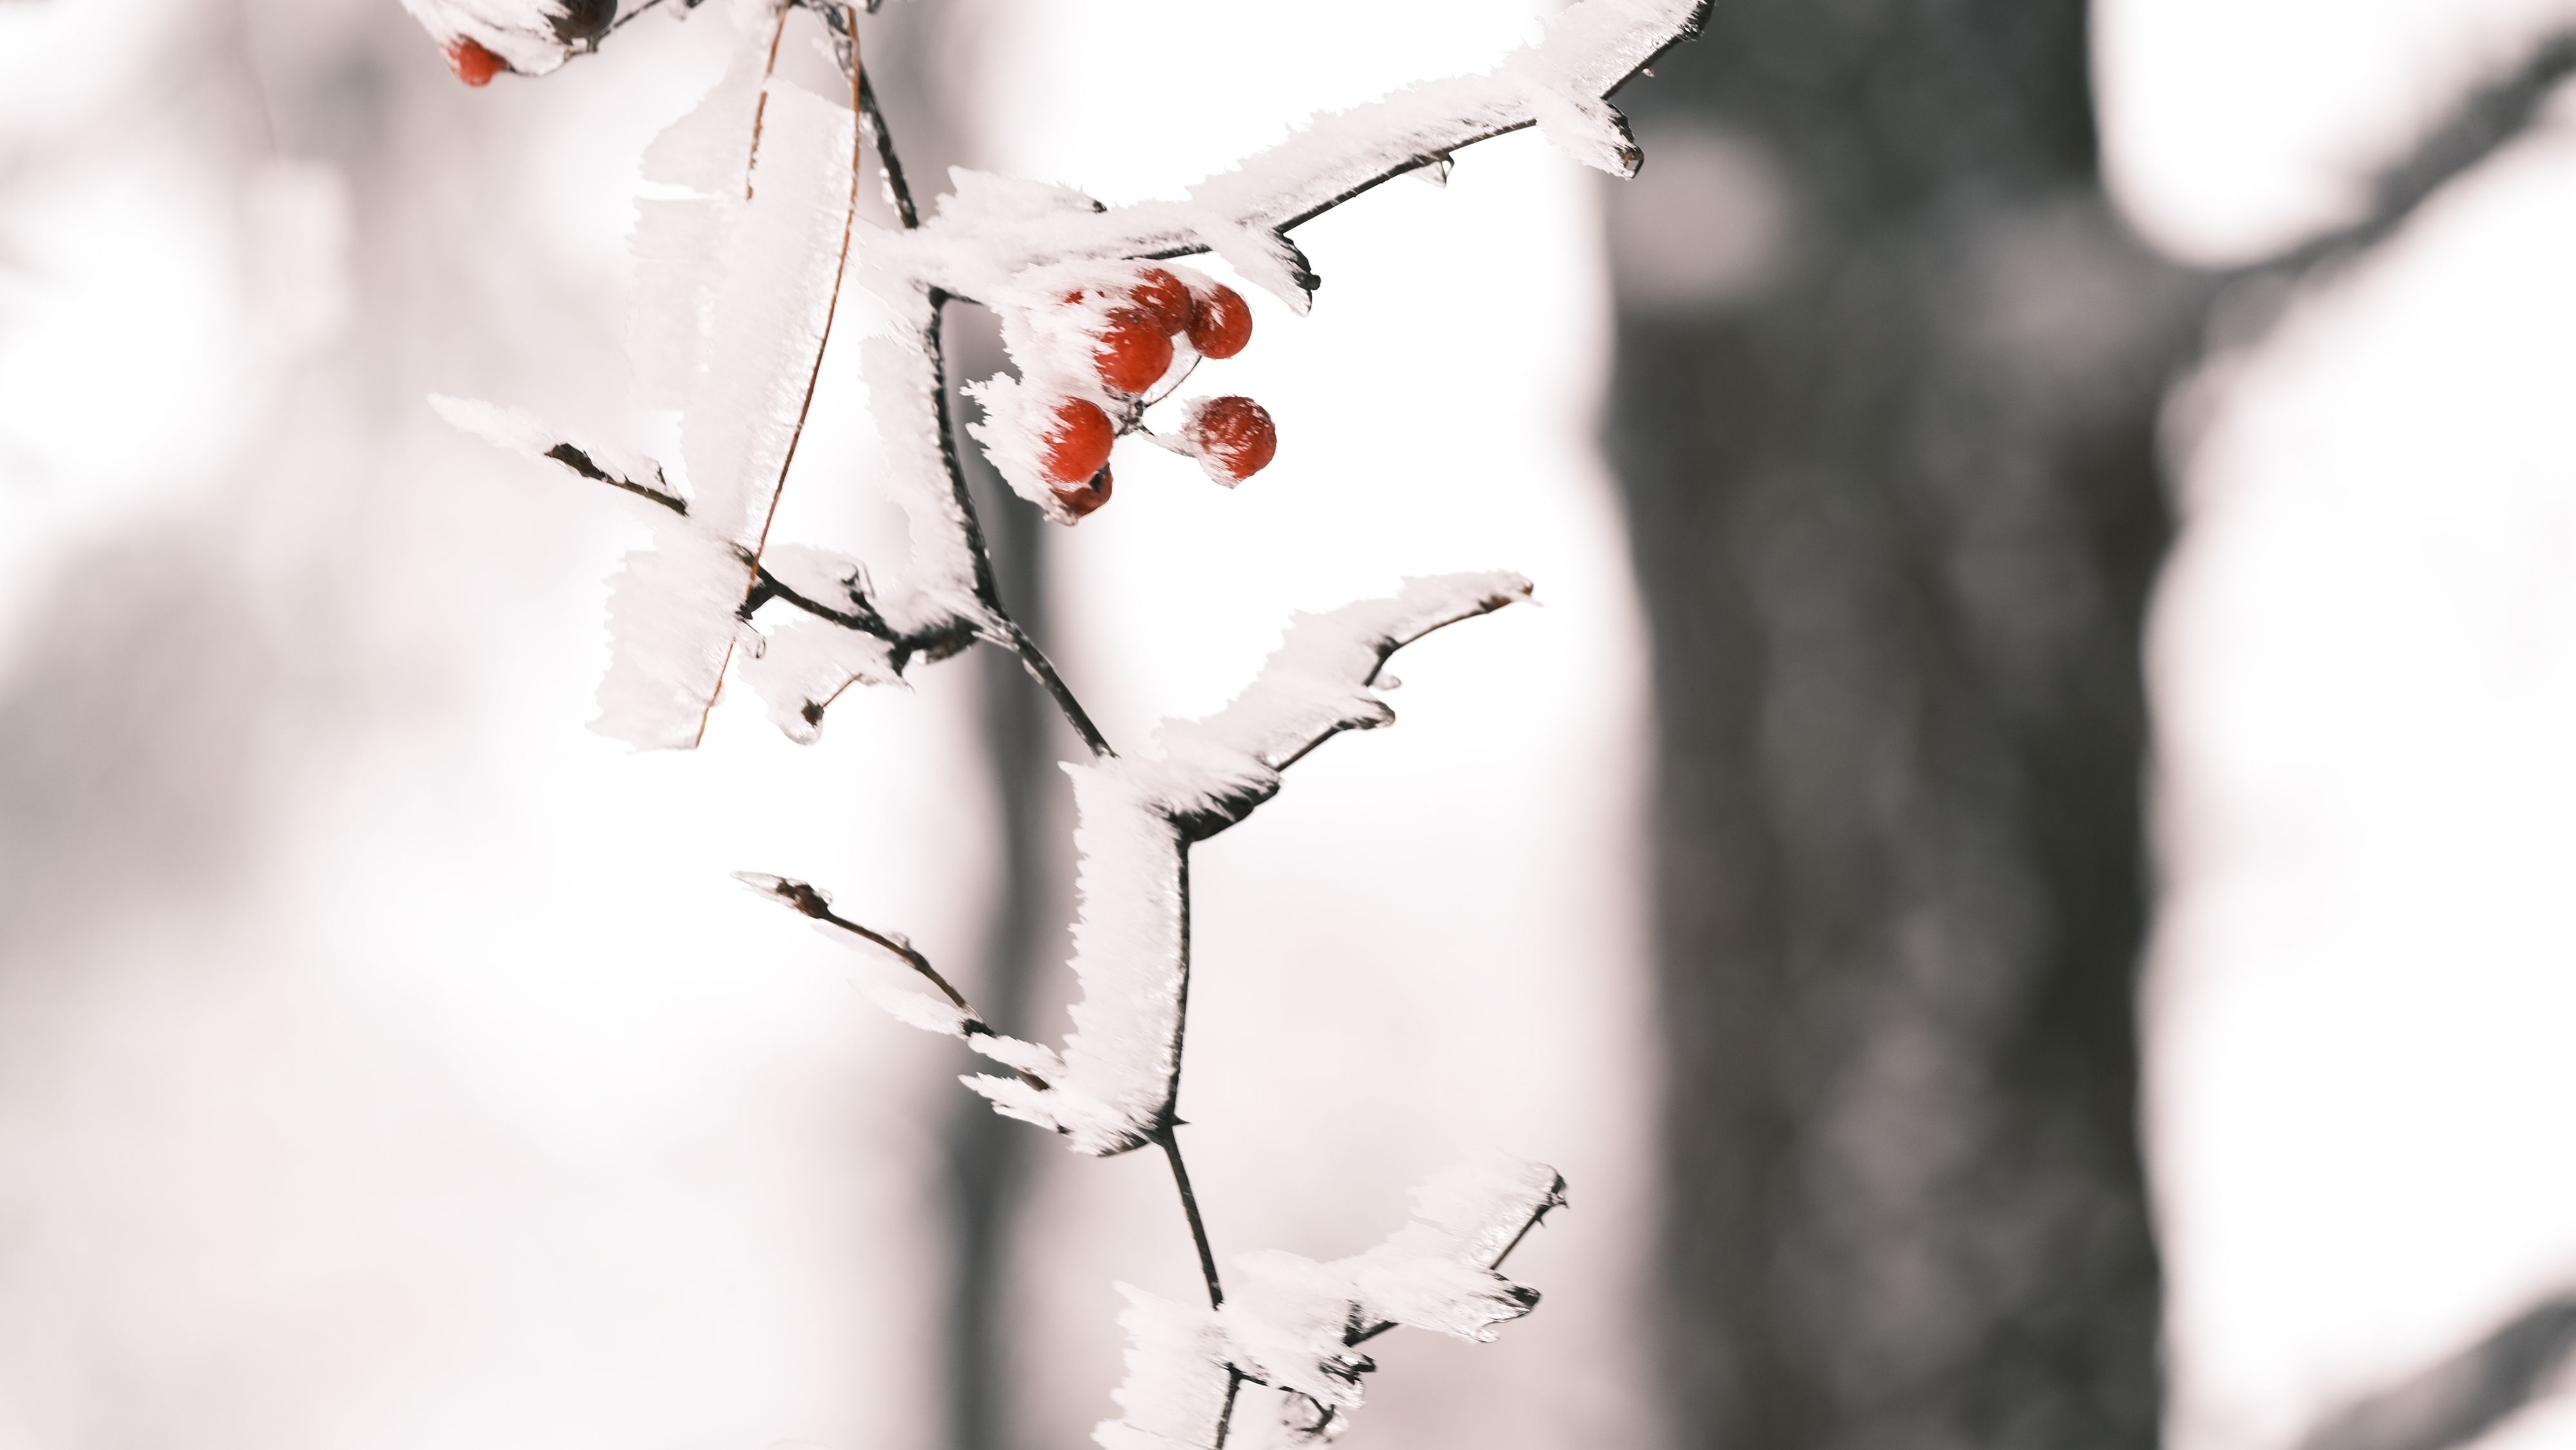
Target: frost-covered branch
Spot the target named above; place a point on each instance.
(1135, 819)
(955, 1018)
(745, 244)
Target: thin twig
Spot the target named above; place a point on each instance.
(804, 899)
(573, 457)
(1195, 359)
(1225, 1417)
(1170, 1139)
(1041, 669)
(1003, 630)
(861, 617)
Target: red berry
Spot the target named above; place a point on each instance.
(1233, 436)
(1132, 353)
(1082, 498)
(1164, 298)
(1220, 323)
(1077, 441)
(472, 63)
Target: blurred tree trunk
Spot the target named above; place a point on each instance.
(914, 63)
(1892, 473)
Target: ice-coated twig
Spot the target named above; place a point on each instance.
(1042, 670)
(960, 1020)
(1170, 1140)
(889, 161)
(516, 430)
(1135, 818)
(1295, 1325)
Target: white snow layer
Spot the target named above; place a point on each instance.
(1136, 817)
(1297, 1326)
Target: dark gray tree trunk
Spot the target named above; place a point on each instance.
(1896, 506)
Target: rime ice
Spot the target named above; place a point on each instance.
(1296, 1326)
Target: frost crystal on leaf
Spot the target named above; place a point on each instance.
(1298, 1326)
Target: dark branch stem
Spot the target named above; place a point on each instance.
(580, 462)
(1041, 669)
(802, 898)
(859, 616)
(987, 590)
(1170, 1140)
(1225, 1417)
(872, 118)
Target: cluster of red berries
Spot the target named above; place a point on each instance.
(1136, 328)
